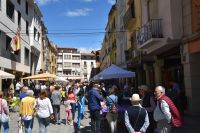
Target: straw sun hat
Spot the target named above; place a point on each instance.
(135, 98)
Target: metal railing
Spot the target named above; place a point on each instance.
(153, 29)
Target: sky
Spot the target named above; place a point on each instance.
(76, 23)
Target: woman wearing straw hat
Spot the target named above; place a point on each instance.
(136, 117)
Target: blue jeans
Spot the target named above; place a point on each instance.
(80, 117)
(44, 124)
(73, 109)
(5, 126)
(28, 124)
(95, 121)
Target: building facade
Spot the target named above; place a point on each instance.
(159, 39)
(190, 53)
(20, 22)
(88, 62)
(69, 63)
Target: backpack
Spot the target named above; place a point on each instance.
(176, 120)
(113, 109)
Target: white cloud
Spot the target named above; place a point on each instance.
(44, 2)
(78, 12)
(111, 2)
(88, 0)
(87, 50)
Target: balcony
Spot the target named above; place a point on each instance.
(150, 34)
(129, 17)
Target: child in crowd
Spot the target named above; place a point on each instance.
(68, 112)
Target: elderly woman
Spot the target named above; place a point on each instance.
(4, 110)
(111, 116)
(44, 111)
(148, 102)
(27, 109)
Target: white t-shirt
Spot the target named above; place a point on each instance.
(18, 86)
(44, 108)
(43, 87)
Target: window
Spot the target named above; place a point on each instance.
(76, 65)
(19, 2)
(59, 65)
(8, 40)
(26, 7)
(85, 64)
(0, 4)
(67, 64)
(19, 19)
(27, 31)
(35, 32)
(92, 64)
(67, 56)
(38, 36)
(60, 57)
(10, 9)
(26, 56)
(75, 57)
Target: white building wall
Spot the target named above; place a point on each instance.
(9, 27)
(87, 70)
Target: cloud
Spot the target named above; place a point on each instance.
(88, 0)
(44, 2)
(111, 2)
(78, 12)
(87, 50)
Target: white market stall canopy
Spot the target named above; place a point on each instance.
(5, 75)
(62, 79)
(113, 72)
(43, 76)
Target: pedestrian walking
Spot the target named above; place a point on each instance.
(56, 101)
(136, 117)
(81, 107)
(4, 111)
(165, 111)
(72, 98)
(27, 109)
(94, 99)
(148, 102)
(111, 102)
(44, 112)
(18, 87)
(69, 119)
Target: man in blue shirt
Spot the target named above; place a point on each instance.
(94, 105)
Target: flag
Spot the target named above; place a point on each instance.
(15, 43)
(18, 41)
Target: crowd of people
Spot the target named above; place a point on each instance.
(141, 112)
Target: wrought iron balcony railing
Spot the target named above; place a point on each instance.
(153, 29)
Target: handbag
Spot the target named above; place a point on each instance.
(3, 116)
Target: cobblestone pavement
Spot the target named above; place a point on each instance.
(14, 117)
(191, 125)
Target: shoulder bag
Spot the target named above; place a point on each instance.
(3, 117)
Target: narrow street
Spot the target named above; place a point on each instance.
(62, 128)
